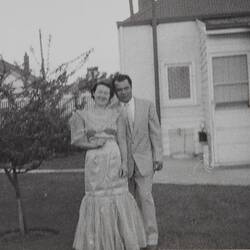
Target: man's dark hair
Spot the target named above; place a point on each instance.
(121, 77)
(108, 85)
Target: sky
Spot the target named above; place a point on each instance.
(75, 26)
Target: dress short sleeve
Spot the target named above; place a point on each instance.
(77, 127)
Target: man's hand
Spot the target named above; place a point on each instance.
(123, 172)
(157, 165)
(90, 133)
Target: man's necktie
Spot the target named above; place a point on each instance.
(129, 114)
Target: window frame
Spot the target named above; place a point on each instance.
(225, 54)
(179, 101)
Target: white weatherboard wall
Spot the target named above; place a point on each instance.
(179, 43)
(232, 125)
(16, 80)
(17, 83)
(136, 59)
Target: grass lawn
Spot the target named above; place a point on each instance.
(188, 216)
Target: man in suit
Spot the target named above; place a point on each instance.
(144, 145)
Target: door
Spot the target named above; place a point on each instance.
(230, 80)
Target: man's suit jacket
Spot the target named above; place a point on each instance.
(144, 142)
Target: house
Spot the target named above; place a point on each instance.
(204, 70)
(13, 74)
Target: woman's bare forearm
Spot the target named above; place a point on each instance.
(86, 145)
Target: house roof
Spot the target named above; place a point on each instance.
(6, 67)
(187, 10)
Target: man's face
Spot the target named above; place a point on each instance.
(123, 90)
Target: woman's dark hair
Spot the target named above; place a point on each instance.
(121, 77)
(104, 84)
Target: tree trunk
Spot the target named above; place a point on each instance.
(21, 216)
(13, 178)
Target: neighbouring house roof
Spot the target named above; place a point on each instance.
(188, 10)
(11, 70)
(6, 67)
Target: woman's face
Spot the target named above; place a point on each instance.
(102, 94)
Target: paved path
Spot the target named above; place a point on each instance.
(192, 171)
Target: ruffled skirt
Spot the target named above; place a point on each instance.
(109, 221)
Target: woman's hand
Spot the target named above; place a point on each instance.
(90, 133)
(110, 131)
(98, 143)
(123, 172)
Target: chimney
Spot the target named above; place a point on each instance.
(26, 64)
(144, 4)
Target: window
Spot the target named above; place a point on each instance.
(230, 79)
(178, 82)
(179, 89)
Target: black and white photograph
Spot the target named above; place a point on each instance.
(124, 124)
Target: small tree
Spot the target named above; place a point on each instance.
(33, 123)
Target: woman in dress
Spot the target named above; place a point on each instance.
(109, 218)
